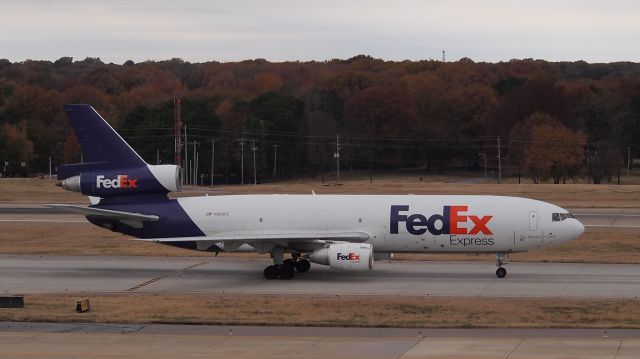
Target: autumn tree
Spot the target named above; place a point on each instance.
(403, 115)
(554, 151)
(16, 148)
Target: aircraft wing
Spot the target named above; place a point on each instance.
(264, 242)
(249, 237)
(131, 219)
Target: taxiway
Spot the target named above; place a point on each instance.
(26, 274)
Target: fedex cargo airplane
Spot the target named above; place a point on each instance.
(344, 232)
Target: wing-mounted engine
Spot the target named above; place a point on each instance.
(345, 256)
(144, 179)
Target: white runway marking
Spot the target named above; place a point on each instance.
(610, 225)
(605, 214)
(42, 220)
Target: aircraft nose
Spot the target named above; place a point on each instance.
(577, 229)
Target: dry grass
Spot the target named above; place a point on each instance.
(569, 195)
(597, 245)
(82, 239)
(382, 311)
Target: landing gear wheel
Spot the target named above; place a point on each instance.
(303, 265)
(287, 271)
(501, 272)
(271, 272)
(289, 261)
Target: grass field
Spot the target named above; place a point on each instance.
(383, 311)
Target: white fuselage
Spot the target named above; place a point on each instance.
(394, 223)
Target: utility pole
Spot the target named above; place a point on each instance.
(484, 157)
(186, 157)
(241, 160)
(275, 159)
(499, 163)
(337, 157)
(177, 129)
(157, 156)
(213, 157)
(49, 166)
(254, 148)
(628, 160)
(195, 179)
(194, 167)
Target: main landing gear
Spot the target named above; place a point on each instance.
(501, 259)
(285, 268)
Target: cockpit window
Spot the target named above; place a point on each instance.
(557, 217)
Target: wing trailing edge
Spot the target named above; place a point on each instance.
(135, 220)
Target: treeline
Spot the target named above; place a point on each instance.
(547, 120)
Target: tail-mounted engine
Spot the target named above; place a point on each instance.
(126, 181)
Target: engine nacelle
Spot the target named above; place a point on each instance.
(345, 256)
(126, 181)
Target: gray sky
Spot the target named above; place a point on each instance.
(231, 30)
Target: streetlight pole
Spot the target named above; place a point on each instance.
(337, 157)
(275, 159)
(241, 160)
(254, 148)
(213, 157)
(499, 163)
(484, 157)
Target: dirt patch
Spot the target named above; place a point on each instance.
(383, 311)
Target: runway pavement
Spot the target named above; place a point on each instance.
(56, 274)
(24, 274)
(47, 340)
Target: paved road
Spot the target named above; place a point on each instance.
(58, 274)
(45, 340)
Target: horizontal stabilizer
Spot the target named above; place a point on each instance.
(131, 219)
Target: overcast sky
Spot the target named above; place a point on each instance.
(231, 30)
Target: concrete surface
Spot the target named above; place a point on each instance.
(47, 340)
(24, 274)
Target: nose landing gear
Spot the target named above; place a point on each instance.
(501, 259)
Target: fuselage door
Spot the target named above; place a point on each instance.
(533, 221)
